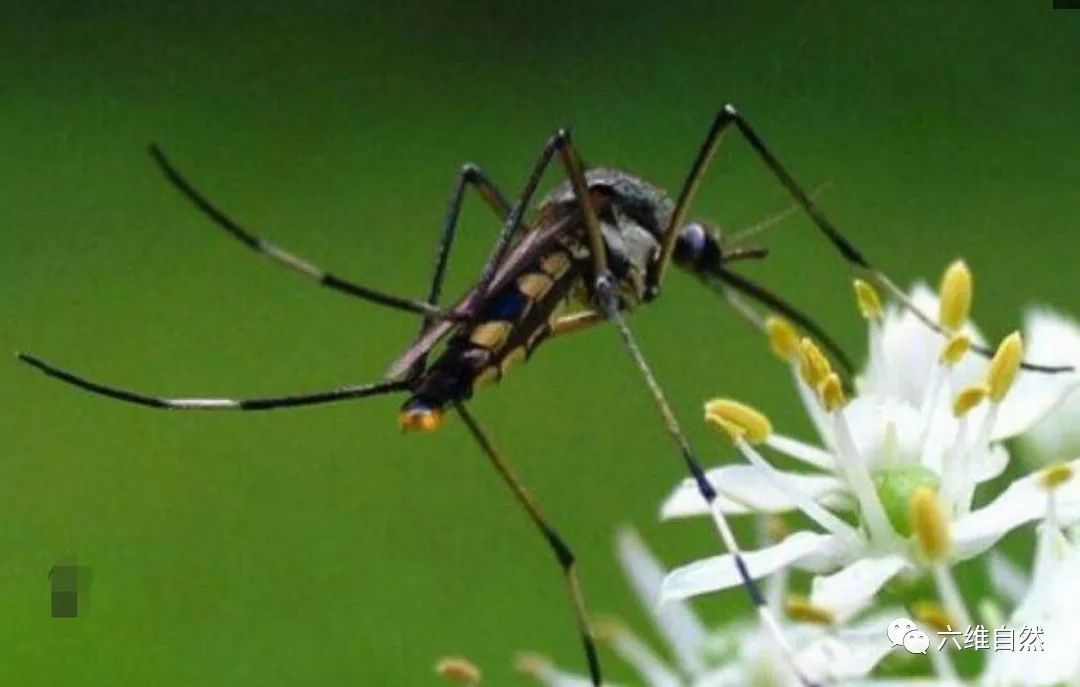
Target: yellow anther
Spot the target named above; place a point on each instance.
(531, 664)
(866, 296)
(954, 349)
(931, 613)
(955, 296)
(783, 339)
(461, 671)
(607, 628)
(1004, 366)
(968, 398)
(738, 420)
(813, 365)
(800, 609)
(831, 392)
(929, 523)
(776, 528)
(1056, 475)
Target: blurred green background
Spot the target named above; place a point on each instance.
(320, 546)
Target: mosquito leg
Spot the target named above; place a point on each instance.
(562, 552)
(469, 175)
(774, 302)
(269, 403)
(576, 172)
(730, 115)
(283, 257)
(474, 176)
(568, 324)
(609, 303)
(558, 143)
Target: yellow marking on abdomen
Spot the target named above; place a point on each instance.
(491, 335)
(534, 285)
(555, 264)
(486, 376)
(513, 358)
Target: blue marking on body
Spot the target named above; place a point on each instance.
(507, 306)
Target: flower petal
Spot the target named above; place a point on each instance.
(802, 451)
(1053, 605)
(676, 621)
(1025, 500)
(745, 489)
(1050, 336)
(1007, 577)
(851, 653)
(851, 590)
(719, 572)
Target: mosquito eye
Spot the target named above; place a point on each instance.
(690, 243)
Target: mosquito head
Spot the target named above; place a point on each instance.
(418, 416)
(697, 247)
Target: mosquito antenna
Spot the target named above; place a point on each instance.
(743, 234)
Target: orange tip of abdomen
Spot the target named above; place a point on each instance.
(420, 419)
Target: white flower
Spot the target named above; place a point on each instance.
(734, 655)
(1054, 337)
(907, 453)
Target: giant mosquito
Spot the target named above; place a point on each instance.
(603, 239)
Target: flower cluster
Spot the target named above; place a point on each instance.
(909, 476)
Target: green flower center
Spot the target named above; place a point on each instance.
(895, 487)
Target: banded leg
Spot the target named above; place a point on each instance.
(344, 393)
(559, 143)
(562, 552)
(609, 302)
(730, 115)
(283, 257)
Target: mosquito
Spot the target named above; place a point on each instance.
(601, 242)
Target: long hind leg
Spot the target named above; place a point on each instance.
(729, 115)
(558, 545)
(343, 393)
(280, 255)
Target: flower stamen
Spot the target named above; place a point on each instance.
(866, 296)
(969, 398)
(1003, 367)
(783, 339)
(813, 365)
(929, 523)
(831, 392)
(1056, 475)
(458, 670)
(955, 349)
(738, 420)
(800, 609)
(933, 614)
(956, 293)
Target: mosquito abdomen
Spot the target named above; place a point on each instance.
(512, 323)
